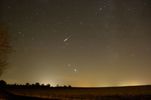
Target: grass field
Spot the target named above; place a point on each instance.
(110, 93)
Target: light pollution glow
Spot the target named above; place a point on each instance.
(86, 43)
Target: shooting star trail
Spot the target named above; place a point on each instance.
(66, 39)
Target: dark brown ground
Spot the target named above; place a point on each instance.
(112, 93)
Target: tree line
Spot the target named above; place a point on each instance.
(3, 84)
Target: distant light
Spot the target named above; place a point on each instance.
(131, 83)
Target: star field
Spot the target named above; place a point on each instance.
(82, 43)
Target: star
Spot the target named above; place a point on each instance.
(81, 22)
(9, 7)
(75, 70)
(22, 34)
(19, 32)
(100, 9)
(69, 65)
(32, 38)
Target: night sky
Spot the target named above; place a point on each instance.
(78, 42)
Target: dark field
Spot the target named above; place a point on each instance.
(110, 93)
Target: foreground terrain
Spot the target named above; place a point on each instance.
(66, 93)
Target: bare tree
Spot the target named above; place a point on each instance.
(4, 48)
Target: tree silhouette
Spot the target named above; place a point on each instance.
(4, 48)
(2, 84)
(37, 84)
(27, 84)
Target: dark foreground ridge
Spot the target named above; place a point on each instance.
(42, 92)
(9, 96)
(118, 97)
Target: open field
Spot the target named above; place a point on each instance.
(110, 93)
